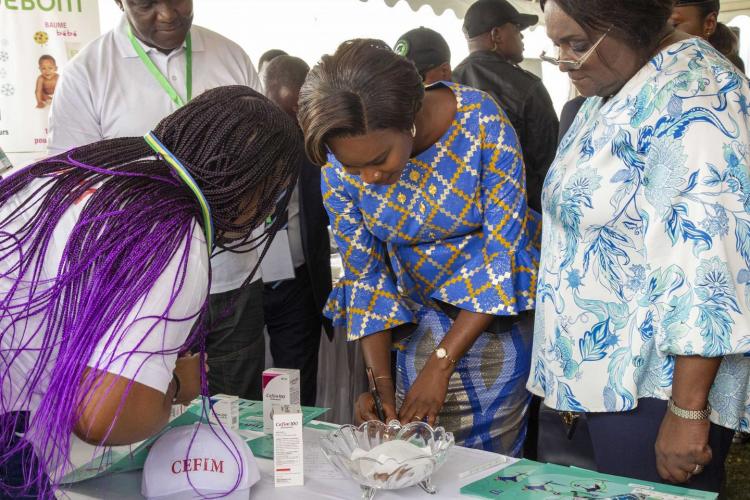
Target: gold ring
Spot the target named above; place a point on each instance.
(416, 418)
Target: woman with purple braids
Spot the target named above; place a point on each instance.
(104, 274)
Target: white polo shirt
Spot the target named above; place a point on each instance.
(107, 92)
(134, 349)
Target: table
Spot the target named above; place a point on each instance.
(128, 485)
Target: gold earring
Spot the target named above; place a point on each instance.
(414, 130)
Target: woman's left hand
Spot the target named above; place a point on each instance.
(188, 370)
(427, 394)
(682, 446)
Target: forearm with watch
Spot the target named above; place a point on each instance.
(682, 448)
(693, 378)
(465, 330)
(427, 394)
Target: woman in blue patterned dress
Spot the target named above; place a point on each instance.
(643, 320)
(425, 192)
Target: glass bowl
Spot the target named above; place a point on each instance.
(389, 467)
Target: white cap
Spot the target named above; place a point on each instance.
(210, 466)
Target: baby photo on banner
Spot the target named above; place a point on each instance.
(37, 39)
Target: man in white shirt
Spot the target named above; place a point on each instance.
(122, 85)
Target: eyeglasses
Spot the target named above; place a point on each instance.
(572, 63)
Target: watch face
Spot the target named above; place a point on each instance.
(441, 353)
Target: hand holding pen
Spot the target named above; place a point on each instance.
(376, 395)
(367, 406)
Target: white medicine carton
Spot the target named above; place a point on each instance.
(281, 386)
(227, 409)
(288, 447)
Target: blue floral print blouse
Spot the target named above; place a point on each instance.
(646, 241)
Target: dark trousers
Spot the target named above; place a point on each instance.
(13, 472)
(294, 327)
(531, 444)
(624, 445)
(235, 343)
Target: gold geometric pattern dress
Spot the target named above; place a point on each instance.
(454, 233)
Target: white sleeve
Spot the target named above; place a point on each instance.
(697, 237)
(253, 80)
(136, 350)
(73, 121)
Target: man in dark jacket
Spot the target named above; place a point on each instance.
(493, 30)
(293, 308)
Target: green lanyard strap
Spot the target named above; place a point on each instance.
(184, 175)
(168, 88)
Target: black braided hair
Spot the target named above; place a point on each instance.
(241, 150)
(264, 159)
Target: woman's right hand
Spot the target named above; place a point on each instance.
(364, 409)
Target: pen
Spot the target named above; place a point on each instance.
(376, 395)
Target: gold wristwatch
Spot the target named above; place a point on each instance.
(689, 414)
(442, 353)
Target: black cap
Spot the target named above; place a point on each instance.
(426, 48)
(714, 5)
(484, 15)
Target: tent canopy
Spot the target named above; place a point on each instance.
(459, 6)
(733, 8)
(729, 8)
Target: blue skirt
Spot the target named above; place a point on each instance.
(487, 403)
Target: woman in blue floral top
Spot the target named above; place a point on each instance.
(425, 192)
(643, 320)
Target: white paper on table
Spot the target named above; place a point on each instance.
(277, 265)
(317, 465)
(489, 464)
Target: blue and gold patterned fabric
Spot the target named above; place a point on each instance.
(455, 228)
(646, 241)
(486, 405)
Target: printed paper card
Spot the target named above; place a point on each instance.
(527, 480)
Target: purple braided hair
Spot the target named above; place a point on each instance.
(244, 154)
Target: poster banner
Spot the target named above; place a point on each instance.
(37, 39)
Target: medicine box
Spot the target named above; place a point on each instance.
(226, 410)
(280, 387)
(288, 455)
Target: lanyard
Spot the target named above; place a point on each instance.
(182, 173)
(168, 88)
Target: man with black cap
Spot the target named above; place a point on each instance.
(493, 30)
(429, 52)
